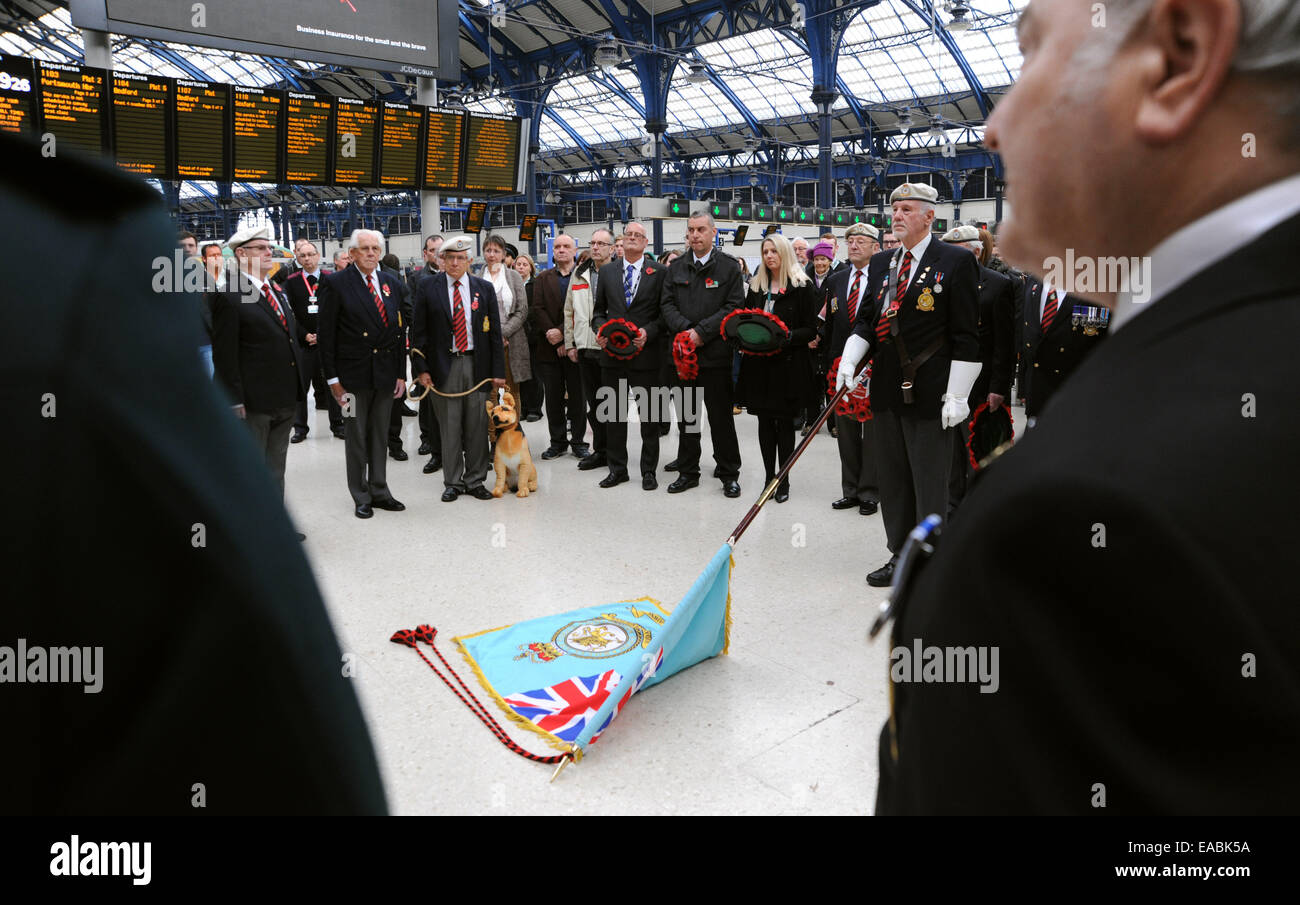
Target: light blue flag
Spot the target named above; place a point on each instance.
(566, 677)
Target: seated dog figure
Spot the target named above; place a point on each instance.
(513, 462)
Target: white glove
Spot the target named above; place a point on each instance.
(961, 377)
(854, 349)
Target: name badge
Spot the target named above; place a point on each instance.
(312, 307)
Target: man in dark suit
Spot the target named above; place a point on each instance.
(455, 345)
(430, 433)
(305, 302)
(390, 265)
(1054, 343)
(630, 288)
(997, 316)
(558, 373)
(700, 289)
(920, 319)
(362, 348)
(1148, 647)
(255, 349)
(172, 728)
(846, 293)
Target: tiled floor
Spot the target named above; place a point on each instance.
(785, 724)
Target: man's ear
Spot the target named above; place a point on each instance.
(1185, 49)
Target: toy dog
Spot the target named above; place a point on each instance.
(513, 462)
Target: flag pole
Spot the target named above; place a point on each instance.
(794, 457)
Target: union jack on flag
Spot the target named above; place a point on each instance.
(564, 709)
(650, 667)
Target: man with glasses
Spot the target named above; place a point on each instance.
(580, 341)
(255, 349)
(304, 298)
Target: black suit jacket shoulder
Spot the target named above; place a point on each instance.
(356, 345)
(1130, 611)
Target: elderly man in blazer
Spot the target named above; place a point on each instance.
(362, 355)
(256, 351)
(1054, 342)
(455, 345)
(630, 288)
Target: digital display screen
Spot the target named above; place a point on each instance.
(17, 89)
(73, 106)
(308, 128)
(355, 128)
(258, 132)
(142, 114)
(528, 228)
(492, 155)
(474, 217)
(202, 137)
(443, 149)
(399, 153)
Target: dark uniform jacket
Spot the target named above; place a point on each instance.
(779, 384)
(355, 345)
(645, 313)
(950, 320)
(275, 730)
(432, 334)
(300, 288)
(838, 327)
(1127, 628)
(997, 321)
(1046, 361)
(256, 358)
(547, 312)
(699, 298)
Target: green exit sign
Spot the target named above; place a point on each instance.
(718, 210)
(802, 216)
(678, 208)
(763, 214)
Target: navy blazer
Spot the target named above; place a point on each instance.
(611, 303)
(255, 357)
(1047, 360)
(355, 345)
(431, 332)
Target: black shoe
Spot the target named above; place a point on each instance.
(339, 434)
(554, 450)
(299, 434)
(389, 505)
(685, 482)
(884, 576)
(449, 495)
(581, 450)
(869, 507)
(844, 502)
(364, 511)
(672, 466)
(398, 453)
(434, 463)
(782, 494)
(408, 412)
(481, 493)
(613, 480)
(425, 449)
(834, 431)
(731, 489)
(532, 416)
(301, 536)
(649, 482)
(595, 460)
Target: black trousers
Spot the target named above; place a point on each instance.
(775, 435)
(560, 377)
(532, 393)
(913, 459)
(589, 371)
(311, 363)
(651, 401)
(715, 385)
(961, 467)
(430, 429)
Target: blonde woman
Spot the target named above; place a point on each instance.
(774, 388)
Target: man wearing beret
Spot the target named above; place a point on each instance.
(919, 318)
(456, 344)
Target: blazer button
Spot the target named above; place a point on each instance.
(1062, 348)
(376, 351)
(364, 333)
(1035, 364)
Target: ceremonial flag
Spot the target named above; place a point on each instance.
(566, 677)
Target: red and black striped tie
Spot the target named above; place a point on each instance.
(458, 318)
(379, 303)
(1049, 310)
(904, 273)
(853, 297)
(270, 297)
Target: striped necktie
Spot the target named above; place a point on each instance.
(270, 297)
(458, 318)
(627, 286)
(904, 272)
(379, 303)
(853, 297)
(1049, 310)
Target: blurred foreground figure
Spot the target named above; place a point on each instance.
(1125, 574)
(207, 679)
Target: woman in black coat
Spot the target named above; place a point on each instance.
(775, 387)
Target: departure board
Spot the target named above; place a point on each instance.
(73, 101)
(355, 128)
(399, 151)
(258, 128)
(308, 127)
(443, 149)
(202, 142)
(492, 154)
(16, 92)
(142, 112)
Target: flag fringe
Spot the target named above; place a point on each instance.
(726, 638)
(553, 740)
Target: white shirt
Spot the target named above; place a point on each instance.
(918, 252)
(636, 272)
(1210, 239)
(702, 261)
(464, 303)
(501, 283)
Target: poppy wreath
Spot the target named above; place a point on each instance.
(854, 404)
(973, 433)
(684, 357)
(620, 334)
(722, 330)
